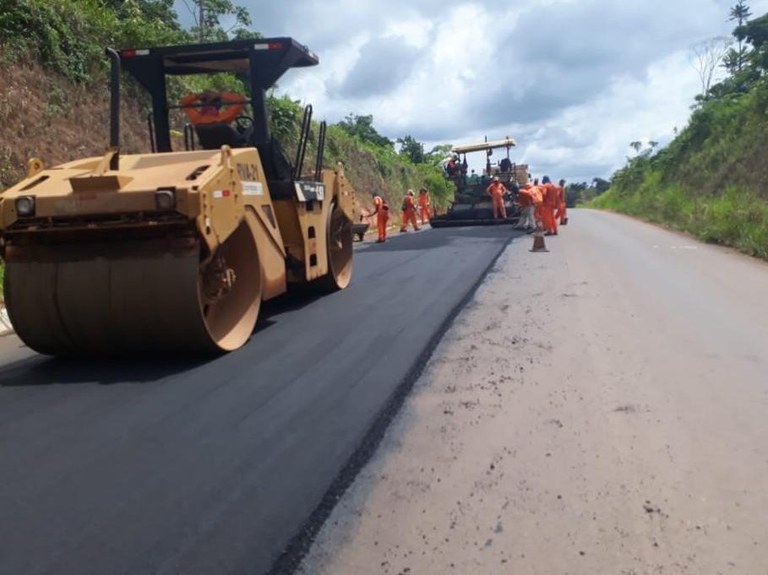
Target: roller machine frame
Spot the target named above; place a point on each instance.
(175, 251)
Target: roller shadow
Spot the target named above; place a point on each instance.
(44, 370)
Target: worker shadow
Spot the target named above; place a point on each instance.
(45, 370)
(431, 238)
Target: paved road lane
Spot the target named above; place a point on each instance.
(212, 466)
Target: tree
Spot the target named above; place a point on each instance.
(362, 127)
(437, 154)
(150, 10)
(707, 56)
(755, 32)
(652, 144)
(412, 149)
(600, 185)
(207, 15)
(736, 57)
(636, 145)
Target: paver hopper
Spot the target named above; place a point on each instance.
(175, 250)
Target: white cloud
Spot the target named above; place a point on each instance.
(574, 81)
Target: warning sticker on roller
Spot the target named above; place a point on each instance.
(218, 194)
(253, 189)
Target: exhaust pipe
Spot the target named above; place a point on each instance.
(114, 107)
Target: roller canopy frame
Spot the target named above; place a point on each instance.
(262, 61)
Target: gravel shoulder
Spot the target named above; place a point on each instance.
(582, 415)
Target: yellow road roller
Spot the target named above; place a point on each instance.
(174, 251)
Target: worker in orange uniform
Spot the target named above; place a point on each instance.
(424, 205)
(549, 191)
(537, 197)
(497, 190)
(561, 212)
(212, 107)
(381, 211)
(409, 212)
(525, 201)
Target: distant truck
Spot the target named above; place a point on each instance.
(471, 205)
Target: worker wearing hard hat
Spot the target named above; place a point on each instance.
(537, 197)
(381, 211)
(525, 202)
(562, 213)
(497, 190)
(550, 206)
(424, 205)
(409, 212)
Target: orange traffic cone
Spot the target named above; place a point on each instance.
(538, 240)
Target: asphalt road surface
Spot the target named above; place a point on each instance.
(213, 466)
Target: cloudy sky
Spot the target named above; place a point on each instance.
(573, 81)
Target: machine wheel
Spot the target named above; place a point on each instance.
(230, 288)
(339, 245)
(150, 296)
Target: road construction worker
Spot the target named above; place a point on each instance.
(381, 211)
(537, 197)
(424, 212)
(409, 212)
(525, 201)
(497, 190)
(212, 107)
(562, 213)
(550, 205)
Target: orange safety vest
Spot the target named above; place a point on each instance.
(380, 204)
(524, 198)
(536, 196)
(550, 195)
(496, 189)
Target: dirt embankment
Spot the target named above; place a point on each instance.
(47, 116)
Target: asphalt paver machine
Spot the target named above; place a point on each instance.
(471, 205)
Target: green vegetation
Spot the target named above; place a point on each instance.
(66, 39)
(709, 181)
(53, 71)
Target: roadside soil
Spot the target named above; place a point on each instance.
(567, 423)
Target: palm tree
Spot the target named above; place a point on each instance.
(637, 144)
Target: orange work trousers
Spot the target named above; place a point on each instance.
(499, 209)
(409, 217)
(382, 217)
(548, 216)
(424, 209)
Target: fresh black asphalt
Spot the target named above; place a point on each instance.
(225, 465)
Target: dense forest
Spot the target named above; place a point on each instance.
(710, 180)
(54, 96)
